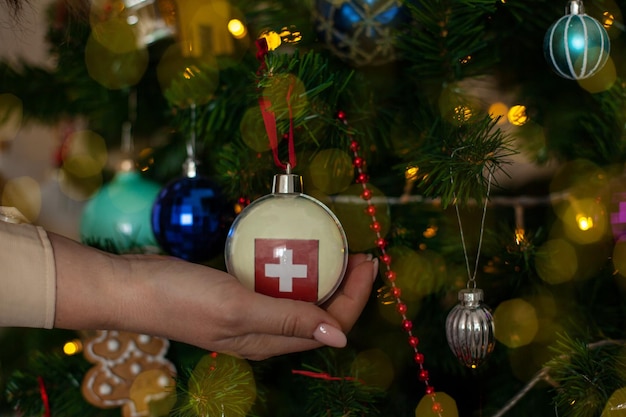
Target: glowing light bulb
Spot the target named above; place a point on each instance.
(517, 115)
(237, 28)
(73, 347)
(584, 222)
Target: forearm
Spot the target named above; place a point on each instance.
(89, 286)
(27, 280)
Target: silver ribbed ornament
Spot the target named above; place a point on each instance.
(470, 328)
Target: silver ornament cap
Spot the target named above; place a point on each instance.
(470, 329)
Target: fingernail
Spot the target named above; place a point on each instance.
(330, 335)
(375, 269)
(369, 257)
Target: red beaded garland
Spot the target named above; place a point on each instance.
(396, 292)
(401, 307)
(407, 325)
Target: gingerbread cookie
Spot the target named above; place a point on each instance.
(130, 371)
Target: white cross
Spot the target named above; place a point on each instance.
(285, 271)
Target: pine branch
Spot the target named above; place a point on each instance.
(62, 377)
(455, 162)
(589, 371)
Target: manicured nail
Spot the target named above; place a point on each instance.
(330, 335)
(369, 257)
(374, 269)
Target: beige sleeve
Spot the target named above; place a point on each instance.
(27, 277)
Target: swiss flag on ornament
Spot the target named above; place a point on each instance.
(287, 268)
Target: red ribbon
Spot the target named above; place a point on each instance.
(269, 117)
(324, 376)
(44, 397)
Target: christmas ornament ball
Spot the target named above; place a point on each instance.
(288, 245)
(119, 214)
(576, 46)
(360, 32)
(190, 218)
(470, 329)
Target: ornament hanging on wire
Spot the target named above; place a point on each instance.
(470, 329)
(360, 32)
(576, 46)
(117, 218)
(469, 325)
(286, 244)
(190, 216)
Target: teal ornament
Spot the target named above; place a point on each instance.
(117, 218)
(576, 46)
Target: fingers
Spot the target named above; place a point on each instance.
(350, 299)
(270, 326)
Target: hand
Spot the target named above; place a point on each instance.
(198, 305)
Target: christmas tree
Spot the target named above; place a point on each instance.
(475, 147)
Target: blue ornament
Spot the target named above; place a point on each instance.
(360, 31)
(118, 217)
(190, 219)
(576, 46)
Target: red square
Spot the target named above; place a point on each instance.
(287, 268)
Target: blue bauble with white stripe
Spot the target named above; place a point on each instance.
(576, 46)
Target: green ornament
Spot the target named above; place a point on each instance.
(576, 46)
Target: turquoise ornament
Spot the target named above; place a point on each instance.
(117, 218)
(576, 46)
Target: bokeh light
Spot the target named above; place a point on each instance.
(210, 28)
(73, 347)
(499, 110)
(252, 130)
(616, 405)
(237, 28)
(556, 261)
(23, 193)
(419, 273)
(331, 171)
(585, 221)
(85, 155)
(374, 368)
(517, 115)
(11, 116)
(515, 322)
(602, 80)
(349, 208)
(78, 188)
(114, 70)
(287, 89)
(447, 405)
(222, 385)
